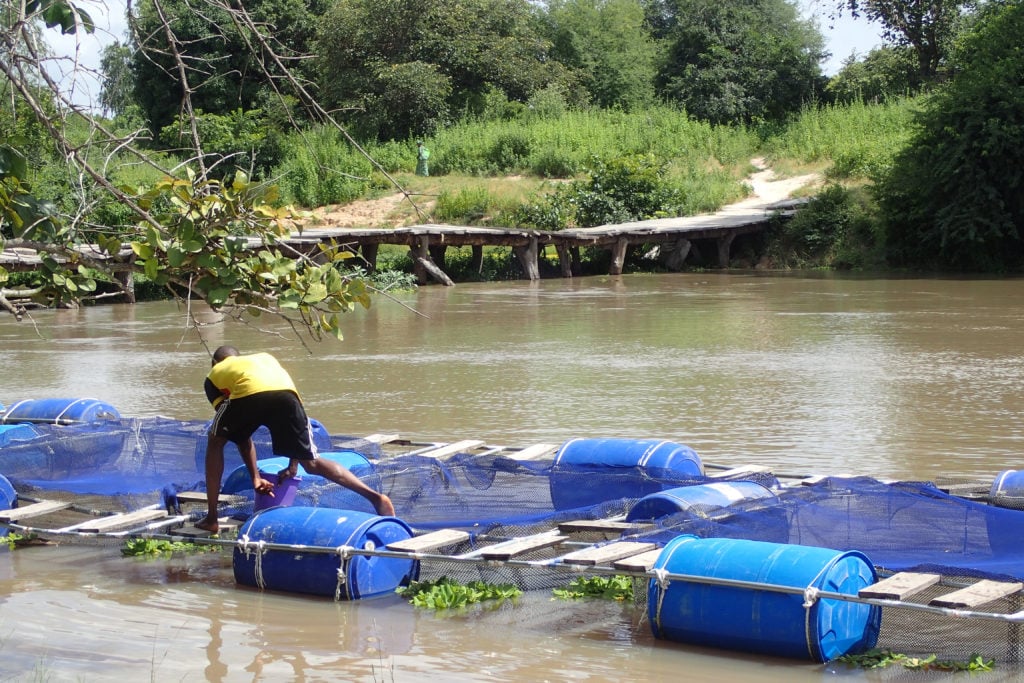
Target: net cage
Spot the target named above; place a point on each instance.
(900, 527)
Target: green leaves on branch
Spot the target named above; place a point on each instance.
(60, 13)
(225, 242)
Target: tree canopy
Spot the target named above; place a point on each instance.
(953, 198)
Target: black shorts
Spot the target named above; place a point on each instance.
(279, 411)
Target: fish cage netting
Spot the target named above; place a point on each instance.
(903, 526)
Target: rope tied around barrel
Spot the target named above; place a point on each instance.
(663, 582)
(344, 553)
(248, 546)
(810, 596)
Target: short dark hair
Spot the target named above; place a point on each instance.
(223, 352)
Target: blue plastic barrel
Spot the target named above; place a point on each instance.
(587, 472)
(59, 411)
(317, 573)
(16, 432)
(698, 500)
(313, 490)
(763, 621)
(1008, 490)
(261, 439)
(8, 500)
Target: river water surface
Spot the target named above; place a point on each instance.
(894, 378)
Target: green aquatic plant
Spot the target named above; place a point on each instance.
(617, 588)
(151, 546)
(446, 593)
(878, 658)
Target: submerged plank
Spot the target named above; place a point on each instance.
(600, 526)
(978, 594)
(431, 541)
(899, 586)
(119, 521)
(607, 553)
(43, 507)
(381, 438)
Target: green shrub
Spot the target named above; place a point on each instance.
(466, 207)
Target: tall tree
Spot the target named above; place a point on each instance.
(463, 49)
(743, 61)
(609, 46)
(955, 196)
(927, 26)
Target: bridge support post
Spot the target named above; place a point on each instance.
(564, 259)
(369, 252)
(423, 265)
(528, 259)
(477, 260)
(675, 254)
(618, 256)
(724, 242)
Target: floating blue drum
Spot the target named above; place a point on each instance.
(587, 472)
(8, 499)
(1008, 490)
(311, 486)
(698, 500)
(334, 574)
(17, 432)
(261, 439)
(761, 620)
(59, 411)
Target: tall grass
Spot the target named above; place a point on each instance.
(857, 139)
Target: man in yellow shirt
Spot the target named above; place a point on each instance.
(253, 391)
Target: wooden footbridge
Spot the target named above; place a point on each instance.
(673, 239)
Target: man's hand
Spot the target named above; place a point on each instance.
(261, 485)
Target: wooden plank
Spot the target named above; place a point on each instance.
(509, 549)
(641, 563)
(603, 554)
(978, 594)
(899, 586)
(739, 472)
(109, 522)
(381, 438)
(601, 526)
(192, 531)
(451, 449)
(200, 497)
(534, 452)
(43, 507)
(431, 541)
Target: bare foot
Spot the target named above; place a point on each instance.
(384, 507)
(207, 524)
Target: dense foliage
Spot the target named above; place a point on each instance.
(954, 198)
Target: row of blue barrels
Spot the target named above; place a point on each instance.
(737, 617)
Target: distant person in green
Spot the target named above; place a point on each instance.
(422, 154)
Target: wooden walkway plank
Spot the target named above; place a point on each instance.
(604, 554)
(641, 563)
(601, 526)
(381, 438)
(431, 541)
(192, 531)
(108, 522)
(739, 472)
(451, 449)
(506, 550)
(899, 586)
(43, 507)
(977, 594)
(534, 452)
(200, 497)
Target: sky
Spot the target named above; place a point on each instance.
(846, 36)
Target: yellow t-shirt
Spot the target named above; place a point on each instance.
(240, 376)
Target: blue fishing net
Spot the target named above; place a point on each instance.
(906, 526)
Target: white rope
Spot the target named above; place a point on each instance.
(260, 548)
(810, 596)
(663, 582)
(343, 552)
